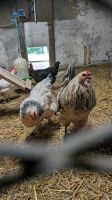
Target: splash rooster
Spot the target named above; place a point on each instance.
(76, 100)
(39, 105)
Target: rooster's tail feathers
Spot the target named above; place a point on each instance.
(70, 73)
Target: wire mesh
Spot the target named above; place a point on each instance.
(36, 159)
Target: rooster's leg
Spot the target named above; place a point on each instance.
(65, 136)
(4, 100)
(66, 129)
(66, 126)
(50, 121)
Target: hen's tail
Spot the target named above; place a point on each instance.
(48, 81)
(45, 83)
(70, 74)
(71, 71)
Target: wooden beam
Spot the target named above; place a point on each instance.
(89, 54)
(51, 36)
(24, 85)
(22, 40)
(85, 55)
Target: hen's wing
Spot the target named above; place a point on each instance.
(54, 104)
(46, 83)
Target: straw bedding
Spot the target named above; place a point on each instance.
(71, 184)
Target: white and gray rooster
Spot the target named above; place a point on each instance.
(39, 105)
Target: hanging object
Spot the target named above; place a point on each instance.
(14, 18)
(21, 65)
(14, 15)
(21, 13)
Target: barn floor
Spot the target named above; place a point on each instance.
(72, 184)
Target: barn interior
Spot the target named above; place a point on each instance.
(41, 32)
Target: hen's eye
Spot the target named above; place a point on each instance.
(83, 74)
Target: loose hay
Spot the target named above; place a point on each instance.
(72, 184)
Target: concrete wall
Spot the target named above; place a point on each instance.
(36, 34)
(8, 47)
(79, 23)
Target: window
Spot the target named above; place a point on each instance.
(39, 56)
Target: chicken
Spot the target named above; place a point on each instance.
(39, 105)
(70, 74)
(5, 86)
(76, 100)
(41, 74)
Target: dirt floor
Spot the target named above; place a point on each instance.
(71, 184)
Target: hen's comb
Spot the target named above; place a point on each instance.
(13, 68)
(89, 73)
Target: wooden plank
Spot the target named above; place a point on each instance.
(24, 85)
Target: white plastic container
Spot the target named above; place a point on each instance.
(22, 67)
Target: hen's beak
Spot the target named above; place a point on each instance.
(34, 115)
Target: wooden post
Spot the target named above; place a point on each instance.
(89, 54)
(85, 55)
(22, 40)
(51, 38)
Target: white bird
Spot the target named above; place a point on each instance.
(6, 86)
(39, 105)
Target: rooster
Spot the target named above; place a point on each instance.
(39, 105)
(5, 86)
(76, 100)
(41, 74)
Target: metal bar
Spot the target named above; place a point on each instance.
(51, 36)
(35, 14)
